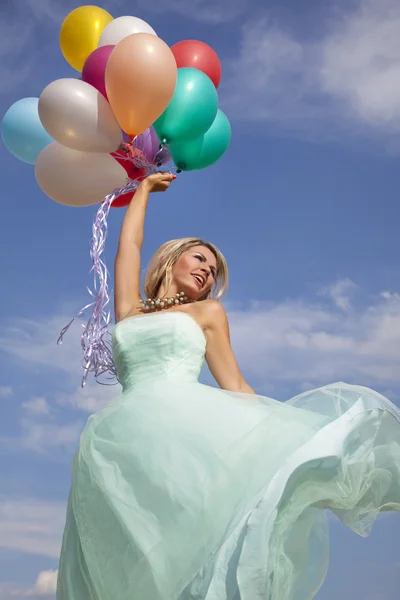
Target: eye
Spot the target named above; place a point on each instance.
(202, 259)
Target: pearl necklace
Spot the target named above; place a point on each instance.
(160, 303)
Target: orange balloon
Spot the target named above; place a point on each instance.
(141, 76)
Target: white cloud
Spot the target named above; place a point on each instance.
(361, 62)
(45, 586)
(90, 399)
(18, 47)
(349, 76)
(24, 28)
(46, 583)
(45, 437)
(5, 391)
(209, 11)
(340, 293)
(35, 341)
(305, 343)
(42, 425)
(36, 406)
(31, 526)
(39, 434)
(267, 79)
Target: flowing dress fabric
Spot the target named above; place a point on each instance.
(182, 491)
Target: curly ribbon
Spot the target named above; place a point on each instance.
(96, 339)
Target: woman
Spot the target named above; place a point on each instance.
(182, 491)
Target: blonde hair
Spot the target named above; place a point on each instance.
(159, 270)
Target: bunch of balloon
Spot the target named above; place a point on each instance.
(91, 135)
(136, 105)
(195, 130)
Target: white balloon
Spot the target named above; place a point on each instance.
(77, 178)
(78, 116)
(121, 27)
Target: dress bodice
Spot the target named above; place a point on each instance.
(166, 345)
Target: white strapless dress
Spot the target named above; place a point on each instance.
(182, 491)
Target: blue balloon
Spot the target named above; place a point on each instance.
(22, 131)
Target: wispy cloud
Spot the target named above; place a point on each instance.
(340, 293)
(43, 437)
(360, 62)
(5, 391)
(308, 343)
(90, 399)
(19, 48)
(25, 27)
(208, 11)
(52, 422)
(36, 406)
(347, 78)
(31, 526)
(34, 340)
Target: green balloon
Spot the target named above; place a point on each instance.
(192, 109)
(205, 150)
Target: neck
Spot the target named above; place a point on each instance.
(164, 292)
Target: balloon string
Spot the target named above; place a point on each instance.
(96, 339)
(161, 148)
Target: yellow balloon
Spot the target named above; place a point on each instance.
(80, 33)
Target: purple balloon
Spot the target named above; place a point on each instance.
(148, 143)
(94, 69)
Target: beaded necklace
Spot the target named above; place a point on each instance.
(161, 303)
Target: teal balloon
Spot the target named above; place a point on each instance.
(192, 109)
(22, 131)
(205, 150)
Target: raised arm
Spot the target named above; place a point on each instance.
(127, 260)
(219, 354)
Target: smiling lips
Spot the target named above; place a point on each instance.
(200, 280)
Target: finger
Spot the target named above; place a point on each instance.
(167, 175)
(167, 178)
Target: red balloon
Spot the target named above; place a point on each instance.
(132, 171)
(198, 55)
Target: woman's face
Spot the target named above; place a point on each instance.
(194, 272)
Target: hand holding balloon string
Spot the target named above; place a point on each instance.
(136, 155)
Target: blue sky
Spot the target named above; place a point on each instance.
(305, 206)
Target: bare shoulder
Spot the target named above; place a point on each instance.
(210, 313)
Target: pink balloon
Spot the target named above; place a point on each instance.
(94, 69)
